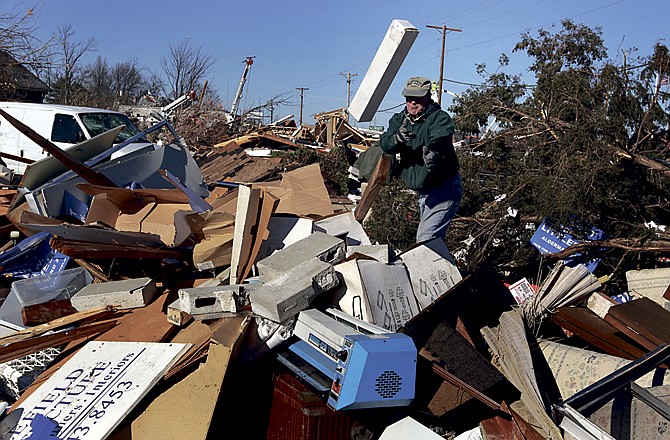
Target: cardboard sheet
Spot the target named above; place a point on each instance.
(301, 192)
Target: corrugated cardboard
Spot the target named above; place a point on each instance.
(301, 192)
(158, 211)
(214, 232)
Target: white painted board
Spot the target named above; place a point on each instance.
(382, 71)
(92, 393)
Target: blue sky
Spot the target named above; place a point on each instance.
(312, 44)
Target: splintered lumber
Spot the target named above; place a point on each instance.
(25, 347)
(90, 315)
(84, 249)
(377, 180)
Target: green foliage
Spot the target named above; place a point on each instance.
(394, 216)
(571, 149)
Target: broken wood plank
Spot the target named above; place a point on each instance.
(376, 182)
(25, 347)
(85, 249)
(596, 331)
(90, 315)
(82, 170)
(643, 320)
(16, 158)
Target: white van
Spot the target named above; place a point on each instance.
(63, 125)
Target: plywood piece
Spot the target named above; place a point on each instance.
(378, 179)
(146, 324)
(201, 388)
(92, 393)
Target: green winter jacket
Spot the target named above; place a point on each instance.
(432, 144)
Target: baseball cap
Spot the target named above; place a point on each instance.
(417, 86)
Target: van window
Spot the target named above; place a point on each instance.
(66, 129)
(98, 123)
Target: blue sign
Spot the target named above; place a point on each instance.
(547, 241)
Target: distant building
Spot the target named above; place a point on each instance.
(17, 83)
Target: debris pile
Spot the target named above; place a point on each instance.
(176, 294)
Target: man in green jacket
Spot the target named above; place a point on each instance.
(422, 136)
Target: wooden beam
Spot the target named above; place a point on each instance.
(23, 348)
(376, 182)
(84, 249)
(82, 170)
(17, 158)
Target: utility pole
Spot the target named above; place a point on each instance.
(443, 29)
(348, 75)
(302, 91)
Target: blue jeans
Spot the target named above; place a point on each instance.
(437, 206)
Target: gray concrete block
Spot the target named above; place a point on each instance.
(207, 300)
(318, 245)
(284, 297)
(380, 252)
(126, 294)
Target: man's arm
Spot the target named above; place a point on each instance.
(440, 132)
(388, 139)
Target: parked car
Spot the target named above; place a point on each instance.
(63, 125)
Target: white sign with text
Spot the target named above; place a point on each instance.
(92, 393)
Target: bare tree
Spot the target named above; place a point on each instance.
(69, 53)
(98, 81)
(17, 40)
(127, 81)
(185, 67)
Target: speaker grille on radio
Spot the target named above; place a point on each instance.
(388, 384)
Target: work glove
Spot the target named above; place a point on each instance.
(404, 135)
